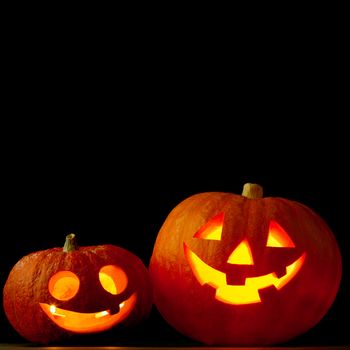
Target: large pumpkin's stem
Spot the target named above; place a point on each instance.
(252, 191)
(70, 244)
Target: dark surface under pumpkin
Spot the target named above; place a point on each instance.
(196, 303)
(55, 294)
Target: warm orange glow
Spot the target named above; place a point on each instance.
(88, 322)
(107, 283)
(212, 229)
(240, 294)
(101, 314)
(278, 237)
(113, 279)
(242, 255)
(64, 285)
(204, 273)
(53, 310)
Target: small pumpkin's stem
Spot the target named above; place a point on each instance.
(252, 191)
(70, 244)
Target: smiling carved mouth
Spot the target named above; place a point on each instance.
(240, 294)
(88, 322)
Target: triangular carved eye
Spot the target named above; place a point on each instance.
(212, 229)
(278, 237)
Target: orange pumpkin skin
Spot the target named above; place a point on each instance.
(27, 287)
(281, 314)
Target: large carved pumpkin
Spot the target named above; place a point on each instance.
(244, 270)
(53, 294)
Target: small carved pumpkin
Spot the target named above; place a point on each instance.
(53, 294)
(244, 270)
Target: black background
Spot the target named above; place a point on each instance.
(104, 137)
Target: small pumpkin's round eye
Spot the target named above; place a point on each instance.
(113, 279)
(64, 285)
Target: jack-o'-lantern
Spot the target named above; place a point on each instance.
(53, 294)
(244, 270)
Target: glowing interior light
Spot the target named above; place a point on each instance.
(242, 255)
(81, 322)
(52, 309)
(121, 304)
(204, 273)
(108, 283)
(240, 294)
(101, 314)
(64, 285)
(54, 312)
(278, 237)
(113, 279)
(212, 229)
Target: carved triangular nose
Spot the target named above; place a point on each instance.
(242, 255)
